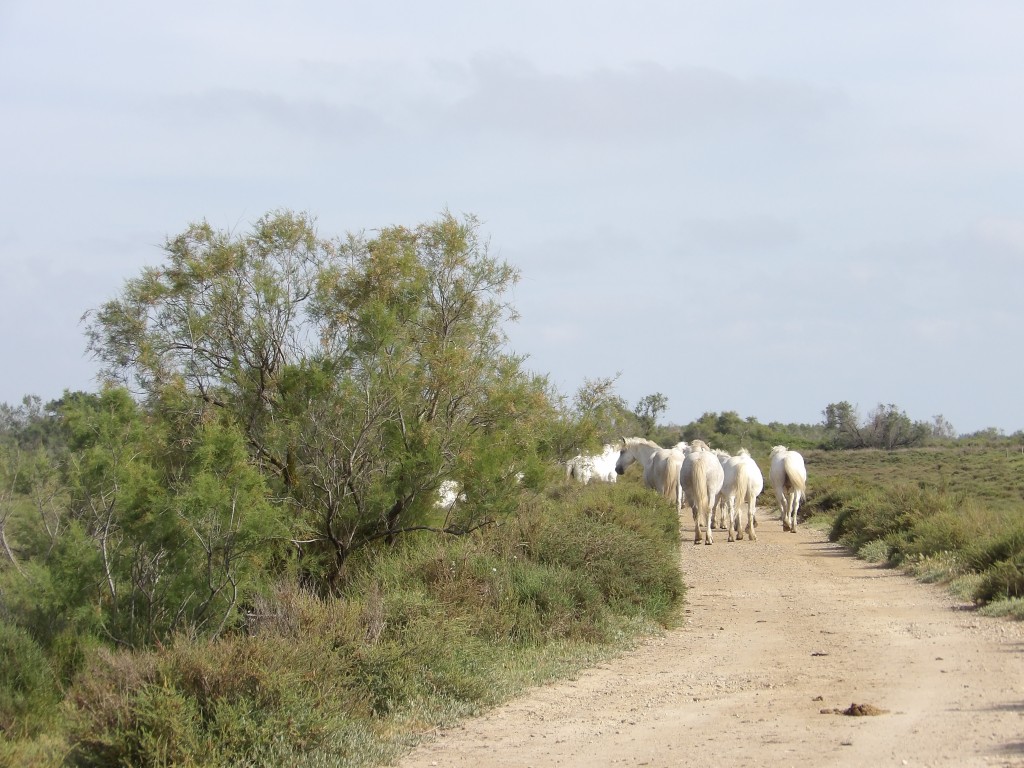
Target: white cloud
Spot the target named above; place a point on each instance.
(637, 102)
(848, 174)
(1004, 233)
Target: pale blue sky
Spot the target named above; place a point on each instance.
(749, 206)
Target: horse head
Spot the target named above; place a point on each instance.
(625, 457)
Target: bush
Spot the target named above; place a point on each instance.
(28, 687)
(952, 516)
(428, 631)
(911, 520)
(1001, 581)
(210, 703)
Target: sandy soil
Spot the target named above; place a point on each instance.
(779, 634)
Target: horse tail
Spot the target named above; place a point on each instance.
(742, 482)
(796, 476)
(673, 489)
(700, 487)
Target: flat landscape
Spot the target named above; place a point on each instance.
(781, 638)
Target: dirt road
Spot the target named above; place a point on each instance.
(776, 631)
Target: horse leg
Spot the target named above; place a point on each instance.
(784, 511)
(751, 522)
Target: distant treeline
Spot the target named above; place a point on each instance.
(887, 427)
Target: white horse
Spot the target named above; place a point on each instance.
(743, 483)
(701, 478)
(789, 479)
(661, 466)
(599, 466)
(720, 510)
(448, 493)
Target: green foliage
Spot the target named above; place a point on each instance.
(910, 519)
(303, 400)
(28, 689)
(945, 514)
(999, 558)
(425, 632)
(362, 372)
(31, 425)
(158, 536)
(600, 416)
(648, 410)
(611, 543)
(729, 431)
(208, 704)
(887, 427)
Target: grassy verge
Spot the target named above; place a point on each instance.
(427, 633)
(949, 515)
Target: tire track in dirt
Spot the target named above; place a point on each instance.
(776, 631)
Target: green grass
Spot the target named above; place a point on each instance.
(437, 629)
(950, 515)
(424, 634)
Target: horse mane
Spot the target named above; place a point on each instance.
(639, 441)
(744, 452)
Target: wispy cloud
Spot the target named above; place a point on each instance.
(643, 101)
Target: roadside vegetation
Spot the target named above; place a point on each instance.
(952, 514)
(422, 634)
(233, 552)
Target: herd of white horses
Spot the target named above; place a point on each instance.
(717, 487)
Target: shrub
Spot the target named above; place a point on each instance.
(1006, 546)
(28, 687)
(422, 633)
(1003, 580)
(211, 703)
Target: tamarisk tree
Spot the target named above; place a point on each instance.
(362, 371)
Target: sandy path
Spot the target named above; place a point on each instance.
(777, 630)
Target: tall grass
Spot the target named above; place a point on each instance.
(425, 633)
(946, 514)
